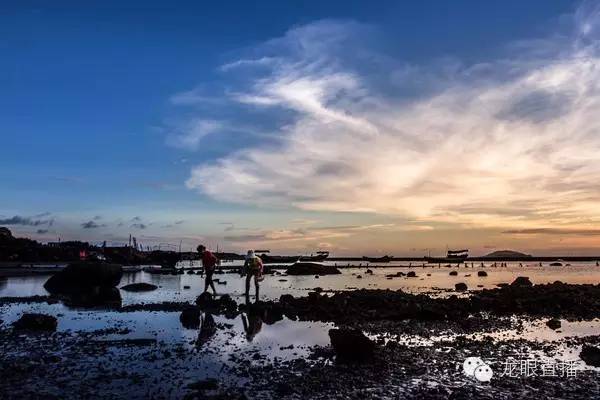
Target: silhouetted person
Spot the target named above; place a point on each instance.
(253, 267)
(209, 263)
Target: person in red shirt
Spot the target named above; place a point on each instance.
(209, 263)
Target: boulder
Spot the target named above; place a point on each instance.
(553, 323)
(36, 322)
(460, 287)
(482, 273)
(223, 305)
(590, 355)
(190, 317)
(411, 274)
(351, 345)
(453, 273)
(83, 276)
(139, 287)
(522, 281)
(310, 268)
(369, 271)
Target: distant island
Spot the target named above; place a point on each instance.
(507, 254)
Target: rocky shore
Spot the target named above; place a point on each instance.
(365, 358)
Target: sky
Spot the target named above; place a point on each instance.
(389, 127)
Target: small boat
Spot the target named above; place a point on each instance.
(131, 268)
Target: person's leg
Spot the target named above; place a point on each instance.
(248, 277)
(207, 279)
(256, 286)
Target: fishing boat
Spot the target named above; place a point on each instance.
(453, 256)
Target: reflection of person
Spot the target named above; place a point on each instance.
(252, 324)
(253, 267)
(209, 262)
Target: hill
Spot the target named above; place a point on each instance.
(507, 254)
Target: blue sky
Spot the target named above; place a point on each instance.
(131, 116)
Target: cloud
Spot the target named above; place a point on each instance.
(554, 231)
(26, 221)
(91, 224)
(139, 226)
(42, 231)
(505, 142)
(191, 134)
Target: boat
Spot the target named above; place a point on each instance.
(453, 256)
(131, 268)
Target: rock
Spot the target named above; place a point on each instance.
(186, 287)
(482, 273)
(206, 384)
(351, 345)
(190, 272)
(411, 274)
(553, 324)
(460, 287)
(503, 285)
(310, 268)
(590, 355)
(139, 287)
(369, 271)
(36, 322)
(190, 317)
(358, 276)
(84, 276)
(453, 273)
(223, 305)
(522, 281)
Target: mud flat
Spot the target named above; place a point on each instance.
(117, 361)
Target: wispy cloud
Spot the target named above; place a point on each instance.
(26, 221)
(507, 142)
(91, 224)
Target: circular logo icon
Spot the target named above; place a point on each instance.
(483, 373)
(471, 364)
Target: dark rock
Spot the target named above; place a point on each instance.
(83, 276)
(460, 287)
(453, 273)
(369, 271)
(351, 345)
(590, 355)
(190, 317)
(96, 297)
(139, 287)
(503, 285)
(411, 274)
(522, 281)
(222, 305)
(358, 276)
(309, 268)
(36, 322)
(206, 384)
(553, 323)
(482, 273)
(185, 287)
